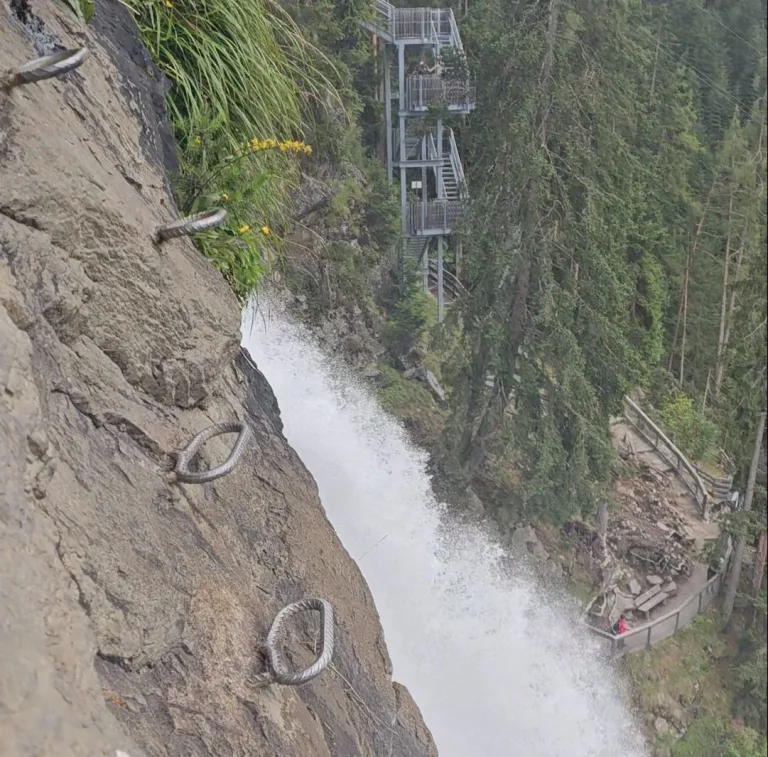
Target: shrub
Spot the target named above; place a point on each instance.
(690, 429)
(251, 182)
(709, 737)
(241, 72)
(413, 316)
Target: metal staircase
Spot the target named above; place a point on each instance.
(417, 249)
(410, 26)
(426, 159)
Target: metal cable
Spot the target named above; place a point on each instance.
(48, 67)
(191, 224)
(185, 456)
(279, 671)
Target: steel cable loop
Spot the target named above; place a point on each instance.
(279, 672)
(48, 67)
(191, 224)
(185, 456)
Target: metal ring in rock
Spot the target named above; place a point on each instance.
(184, 458)
(192, 224)
(48, 67)
(279, 672)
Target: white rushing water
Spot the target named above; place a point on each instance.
(496, 670)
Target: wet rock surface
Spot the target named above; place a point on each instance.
(132, 606)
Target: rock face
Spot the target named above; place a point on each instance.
(132, 606)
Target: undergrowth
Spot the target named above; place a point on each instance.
(697, 669)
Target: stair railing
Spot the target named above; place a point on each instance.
(456, 166)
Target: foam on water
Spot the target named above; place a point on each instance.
(496, 670)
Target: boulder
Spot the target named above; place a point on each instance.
(634, 587)
(524, 537)
(670, 587)
(654, 580)
(662, 726)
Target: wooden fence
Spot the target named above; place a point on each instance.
(654, 631)
(669, 453)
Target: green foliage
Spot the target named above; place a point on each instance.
(382, 209)
(752, 671)
(618, 233)
(709, 737)
(688, 427)
(251, 182)
(412, 404)
(413, 316)
(348, 193)
(241, 72)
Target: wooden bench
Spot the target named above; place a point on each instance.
(643, 598)
(657, 599)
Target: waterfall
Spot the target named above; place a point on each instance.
(497, 669)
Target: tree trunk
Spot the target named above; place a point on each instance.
(721, 364)
(684, 308)
(738, 555)
(723, 300)
(683, 312)
(655, 63)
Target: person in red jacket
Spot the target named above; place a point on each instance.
(620, 626)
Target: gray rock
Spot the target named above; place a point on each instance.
(524, 537)
(130, 603)
(662, 726)
(428, 378)
(654, 580)
(634, 587)
(670, 587)
(672, 711)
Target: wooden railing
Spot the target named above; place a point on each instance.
(654, 631)
(719, 487)
(669, 453)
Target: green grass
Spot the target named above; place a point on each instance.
(695, 668)
(711, 737)
(691, 667)
(245, 66)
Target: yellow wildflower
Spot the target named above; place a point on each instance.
(224, 197)
(265, 230)
(197, 141)
(307, 150)
(168, 4)
(244, 229)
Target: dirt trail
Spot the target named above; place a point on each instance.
(624, 434)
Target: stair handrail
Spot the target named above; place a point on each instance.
(387, 10)
(451, 283)
(455, 37)
(458, 168)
